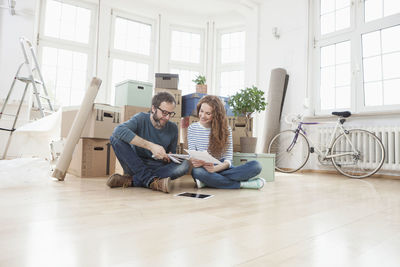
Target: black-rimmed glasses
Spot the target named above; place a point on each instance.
(166, 113)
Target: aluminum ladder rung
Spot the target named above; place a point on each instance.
(7, 114)
(27, 80)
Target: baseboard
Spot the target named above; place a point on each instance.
(376, 175)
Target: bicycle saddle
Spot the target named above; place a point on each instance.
(344, 114)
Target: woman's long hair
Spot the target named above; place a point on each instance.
(218, 140)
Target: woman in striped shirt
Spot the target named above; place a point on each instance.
(212, 133)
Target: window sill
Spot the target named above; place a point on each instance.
(380, 114)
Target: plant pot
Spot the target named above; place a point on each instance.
(201, 88)
(248, 144)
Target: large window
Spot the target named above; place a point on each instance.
(186, 58)
(131, 51)
(357, 55)
(230, 61)
(65, 49)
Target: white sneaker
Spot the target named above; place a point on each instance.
(200, 184)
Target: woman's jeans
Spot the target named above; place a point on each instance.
(143, 170)
(229, 178)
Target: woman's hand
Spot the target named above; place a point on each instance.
(197, 163)
(209, 167)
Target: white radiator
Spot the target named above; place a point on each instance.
(390, 137)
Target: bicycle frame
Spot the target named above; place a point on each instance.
(338, 127)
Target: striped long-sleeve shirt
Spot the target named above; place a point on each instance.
(198, 139)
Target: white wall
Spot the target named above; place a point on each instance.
(289, 51)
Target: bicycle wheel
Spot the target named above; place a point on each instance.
(367, 158)
(291, 151)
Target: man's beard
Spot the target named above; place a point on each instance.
(157, 120)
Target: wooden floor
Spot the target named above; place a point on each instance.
(298, 220)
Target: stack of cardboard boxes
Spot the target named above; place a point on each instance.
(93, 155)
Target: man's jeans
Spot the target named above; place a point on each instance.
(142, 170)
(229, 178)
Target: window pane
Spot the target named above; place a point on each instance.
(342, 4)
(342, 19)
(327, 56)
(371, 44)
(342, 52)
(232, 47)
(391, 39)
(231, 82)
(392, 92)
(328, 77)
(132, 36)
(185, 46)
(327, 23)
(343, 96)
(375, 9)
(391, 7)
(391, 65)
(68, 22)
(372, 69)
(384, 68)
(327, 97)
(373, 94)
(185, 80)
(65, 71)
(334, 15)
(343, 75)
(327, 6)
(335, 77)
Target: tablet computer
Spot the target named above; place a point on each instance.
(194, 195)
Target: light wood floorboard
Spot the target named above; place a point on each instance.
(298, 220)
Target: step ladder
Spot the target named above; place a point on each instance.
(39, 90)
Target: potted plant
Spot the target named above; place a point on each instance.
(201, 86)
(244, 103)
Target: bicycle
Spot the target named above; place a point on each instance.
(347, 151)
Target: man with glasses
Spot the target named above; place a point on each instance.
(141, 145)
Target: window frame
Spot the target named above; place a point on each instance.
(227, 67)
(354, 35)
(89, 48)
(114, 53)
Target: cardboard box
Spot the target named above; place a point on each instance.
(177, 94)
(237, 125)
(133, 93)
(189, 104)
(267, 162)
(92, 157)
(128, 111)
(167, 80)
(100, 124)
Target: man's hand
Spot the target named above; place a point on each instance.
(197, 163)
(159, 152)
